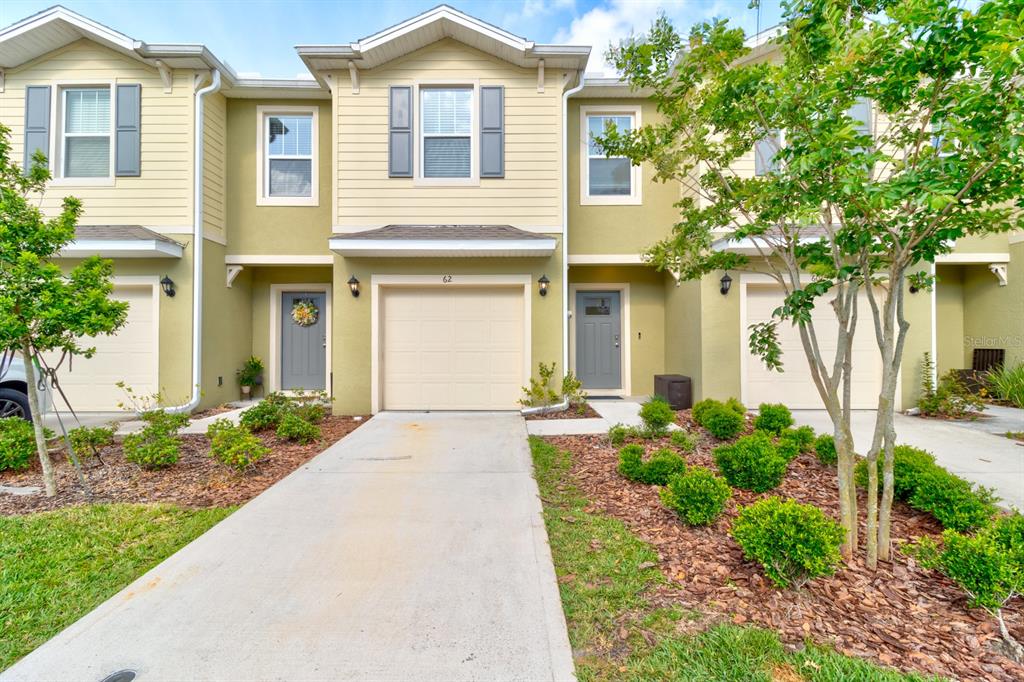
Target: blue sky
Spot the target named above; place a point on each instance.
(257, 36)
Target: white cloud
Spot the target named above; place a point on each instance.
(536, 8)
(613, 20)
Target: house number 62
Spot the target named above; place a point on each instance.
(446, 279)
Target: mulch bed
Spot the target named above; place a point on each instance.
(900, 615)
(196, 480)
(212, 411)
(571, 413)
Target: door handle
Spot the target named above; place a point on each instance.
(616, 340)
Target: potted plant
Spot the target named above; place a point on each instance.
(250, 375)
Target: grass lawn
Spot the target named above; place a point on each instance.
(57, 566)
(606, 576)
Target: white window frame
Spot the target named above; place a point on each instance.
(780, 137)
(57, 140)
(474, 133)
(263, 198)
(635, 197)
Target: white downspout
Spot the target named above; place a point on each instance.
(197, 251)
(565, 220)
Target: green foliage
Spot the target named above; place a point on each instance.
(250, 372)
(618, 434)
(788, 446)
(1008, 534)
(954, 502)
(951, 399)
(1007, 384)
(267, 413)
(312, 411)
(293, 427)
(656, 415)
(631, 462)
(655, 471)
(683, 441)
(752, 463)
(572, 391)
(234, 445)
(736, 406)
(723, 423)
(774, 418)
(702, 407)
(540, 393)
(909, 464)
(825, 449)
(793, 542)
(698, 496)
(87, 441)
(157, 445)
(17, 443)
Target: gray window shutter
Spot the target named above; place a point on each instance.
(492, 131)
(37, 122)
(400, 131)
(128, 112)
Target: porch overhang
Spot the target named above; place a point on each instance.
(444, 241)
(120, 241)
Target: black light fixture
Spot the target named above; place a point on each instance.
(726, 283)
(543, 282)
(168, 286)
(353, 286)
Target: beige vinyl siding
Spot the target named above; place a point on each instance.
(215, 132)
(162, 195)
(528, 196)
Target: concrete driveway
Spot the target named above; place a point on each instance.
(985, 458)
(413, 549)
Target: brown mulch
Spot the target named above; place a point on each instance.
(196, 480)
(571, 413)
(212, 411)
(900, 615)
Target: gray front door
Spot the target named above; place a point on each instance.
(599, 339)
(303, 348)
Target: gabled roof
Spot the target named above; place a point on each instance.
(58, 26)
(433, 25)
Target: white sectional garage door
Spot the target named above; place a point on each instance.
(794, 386)
(452, 348)
(129, 356)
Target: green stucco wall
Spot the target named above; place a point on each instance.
(227, 327)
(949, 318)
(277, 230)
(993, 314)
(683, 331)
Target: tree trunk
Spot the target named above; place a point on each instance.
(49, 479)
(1015, 648)
(847, 501)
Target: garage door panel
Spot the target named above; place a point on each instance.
(452, 348)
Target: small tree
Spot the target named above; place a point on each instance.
(860, 209)
(41, 308)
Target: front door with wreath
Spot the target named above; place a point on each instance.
(303, 341)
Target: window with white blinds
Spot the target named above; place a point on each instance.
(446, 122)
(289, 155)
(607, 179)
(86, 132)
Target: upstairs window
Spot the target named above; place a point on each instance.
(86, 133)
(446, 122)
(765, 150)
(287, 163)
(608, 179)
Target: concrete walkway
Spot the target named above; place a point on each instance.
(984, 458)
(412, 549)
(625, 411)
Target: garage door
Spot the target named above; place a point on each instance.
(794, 385)
(452, 349)
(129, 356)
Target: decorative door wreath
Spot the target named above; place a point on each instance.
(305, 312)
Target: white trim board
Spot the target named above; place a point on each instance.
(972, 258)
(607, 259)
(259, 259)
(451, 248)
(274, 364)
(535, 229)
(626, 333)
(122, 248)
(438, 281)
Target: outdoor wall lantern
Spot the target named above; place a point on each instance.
(543, 282)
(167, 284)
(726, 283)
(353, 286)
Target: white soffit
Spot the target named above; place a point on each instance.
(122, 248)
(446, 248)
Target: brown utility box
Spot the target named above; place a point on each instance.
(674, 388)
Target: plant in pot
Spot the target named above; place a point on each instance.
(250, 375)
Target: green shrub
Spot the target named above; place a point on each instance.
(723, 423)
(17, 443)
(87, 442)
(788, 447)
(981, 567)
(951, 398)
(656, 415)
(908, 465)
(618, 434)
(1008, 532)
(803, 436)
(234, 445)
(662, 465)
(773, 418)
(312, 412)
(697, 496)
(954, 502)
(702, 408)
(267, 413)
(825, 449)
(683, 441)
(1007, 383)
(752, 463)
(736, 406)
(156, 446)
(293, 427)
(793, 542)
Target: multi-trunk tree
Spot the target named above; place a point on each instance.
(884, 131)
(42, 309)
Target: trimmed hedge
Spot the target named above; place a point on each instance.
(698, 496)
(825, 449)
(908, 465)
(955, 503)
(773, 417)
(656, 415)
(723, 423)
(657, 470)
(17, 443)
(752, 463)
